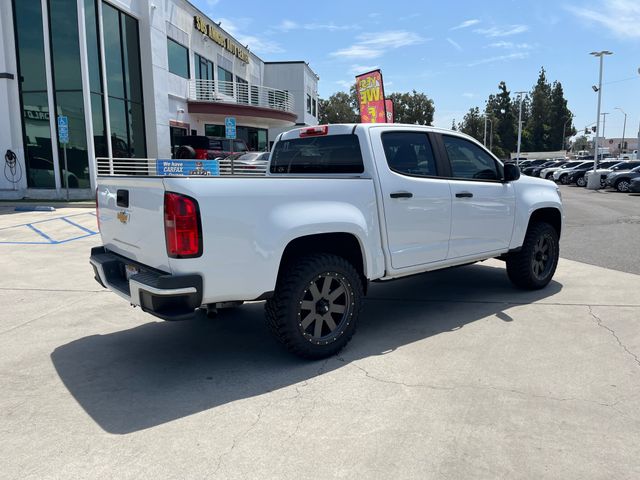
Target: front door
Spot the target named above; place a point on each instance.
(483, 207)
(417, 203)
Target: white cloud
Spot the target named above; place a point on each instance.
(256, 44)
(500, 58)
(502, 31)
(372, 45)
(466, 24)
(511, 45)
(468, 95)
(288, 25)
(455, 44)
(621, 17)
(360, 69)
(346, 84)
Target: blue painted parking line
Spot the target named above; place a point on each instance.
(47, 240)
(41, 233)
(91, 232)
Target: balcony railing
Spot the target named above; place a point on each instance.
(240, 93)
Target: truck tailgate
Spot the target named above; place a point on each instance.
(131, 215)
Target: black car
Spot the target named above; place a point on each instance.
(528, 168)
(634, 185)
(579, 175)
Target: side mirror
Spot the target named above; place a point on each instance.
(511, 172)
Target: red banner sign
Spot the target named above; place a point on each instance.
(371, 96)
(388, 105)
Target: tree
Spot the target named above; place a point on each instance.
(507, 119)
(473, 124)
(453, 125)
(337, 109)
(414, 108)
(538, 124)
(559, 119)
(580, 143)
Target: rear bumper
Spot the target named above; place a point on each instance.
(169, 297)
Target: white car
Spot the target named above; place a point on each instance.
(547, 173)
(340, 206)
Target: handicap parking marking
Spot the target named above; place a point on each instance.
(51, 231)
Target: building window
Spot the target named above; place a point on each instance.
(124, 83)
(211, 130)
(308, 103)
(204, 73)
(242, 90)
(95, 79)
(33, 94)
(178, 58)
(68, 95)
(225, 81)
(174, 133)
(314, 107)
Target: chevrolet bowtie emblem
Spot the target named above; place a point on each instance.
(123, 216)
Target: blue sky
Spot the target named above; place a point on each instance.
(456, 52)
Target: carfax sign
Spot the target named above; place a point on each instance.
(188, 167)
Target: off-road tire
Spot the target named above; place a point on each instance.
(285, 313)
(529, 269)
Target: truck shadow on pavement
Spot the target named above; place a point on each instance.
(162, 371)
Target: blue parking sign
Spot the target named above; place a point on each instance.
(230, 127)
(63, 129)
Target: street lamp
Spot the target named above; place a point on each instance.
(519, 127)
(594, 180)
(487, 119)
(564, 139)
(624, 128)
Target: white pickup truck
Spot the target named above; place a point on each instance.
(340, 206)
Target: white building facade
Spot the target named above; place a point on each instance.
(130, 76)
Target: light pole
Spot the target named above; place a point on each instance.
(594, 180)
(519, 127)
(564, 139)
(624, 129)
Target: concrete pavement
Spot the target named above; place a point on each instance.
(452, 374)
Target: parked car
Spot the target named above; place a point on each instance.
(206, 148)
(341, 206)
(547, 173)
(562, 176)
(552, 164)
(634, 185)
(527, 169)
(621, 179)
(248, 163)
(606, 168)
(579, 174)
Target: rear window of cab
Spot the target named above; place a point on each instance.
(314, 155)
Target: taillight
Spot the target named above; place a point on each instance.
(97, 209)
(182, 228)
(202, 154)
(314, 131)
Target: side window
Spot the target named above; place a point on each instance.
(469, 161)
(409, 153)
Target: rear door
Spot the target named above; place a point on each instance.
(131, 216)
(416, 200)
(483, 207)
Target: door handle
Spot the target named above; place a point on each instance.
(401, 195)
(464, 195)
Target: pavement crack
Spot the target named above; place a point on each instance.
(601, 324)
(483, 387)
(238, 438)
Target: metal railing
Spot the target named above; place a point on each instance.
(241, 93)
(149, 167)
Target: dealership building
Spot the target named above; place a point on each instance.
(129, 76)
